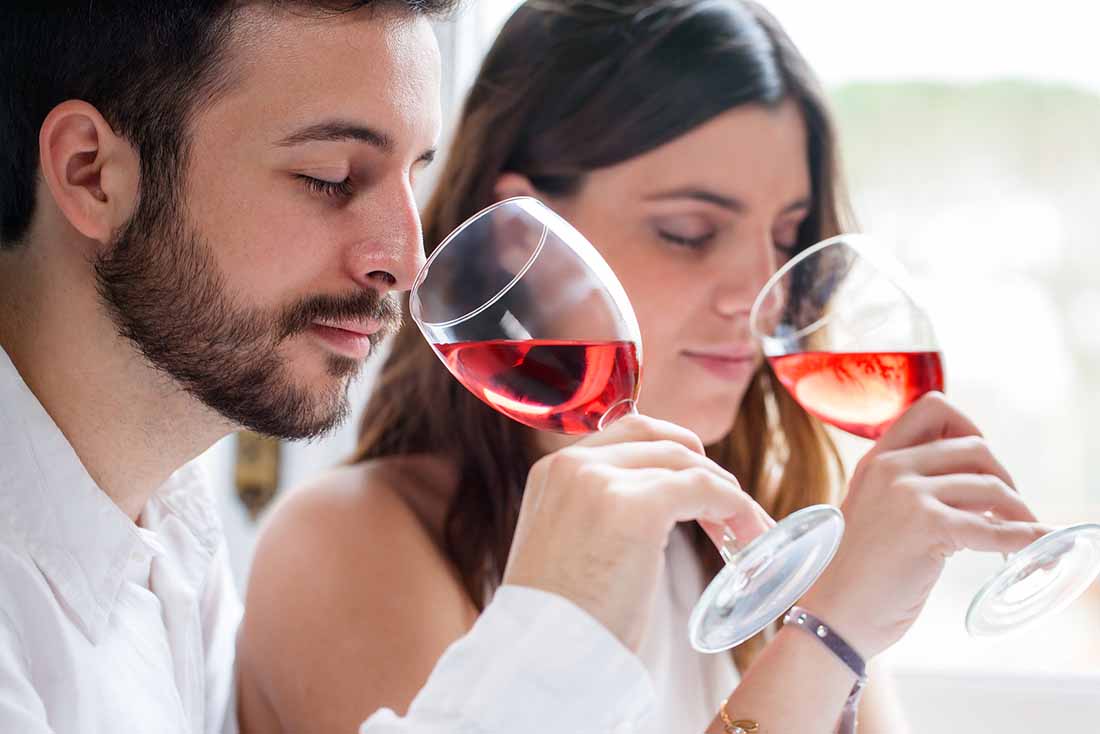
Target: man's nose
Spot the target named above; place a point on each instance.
(391, 251)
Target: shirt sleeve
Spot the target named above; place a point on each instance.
(21, 708)
(535, 663)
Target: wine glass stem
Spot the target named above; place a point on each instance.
(729, 546)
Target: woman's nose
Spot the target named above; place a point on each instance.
(743, 277)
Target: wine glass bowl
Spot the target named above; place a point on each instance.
(531, 319)
(845, 337)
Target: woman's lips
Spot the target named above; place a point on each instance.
(728, 365)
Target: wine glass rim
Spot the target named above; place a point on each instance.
(414, 302)
(853, 239)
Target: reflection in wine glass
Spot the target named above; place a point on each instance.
(525, 313)
(844, 335)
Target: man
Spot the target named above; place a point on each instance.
(206, 211)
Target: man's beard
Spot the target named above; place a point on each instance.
(166, 295)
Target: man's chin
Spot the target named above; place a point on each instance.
(344, 368)
(294, 428)
(312, 366)
(306, 409)
(327, 411)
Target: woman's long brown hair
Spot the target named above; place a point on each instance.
(568, 87)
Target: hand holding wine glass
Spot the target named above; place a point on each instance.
(848, 341)
(914, 500)
(615, 496)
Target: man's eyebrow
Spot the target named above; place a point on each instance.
(731, 203)
(335, 131)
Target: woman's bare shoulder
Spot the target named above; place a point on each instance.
(349, 581)
(405, 494)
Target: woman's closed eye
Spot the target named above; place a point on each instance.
(686, 231)
(787, 248)
(786, 238)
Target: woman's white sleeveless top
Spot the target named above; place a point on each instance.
(690, 685)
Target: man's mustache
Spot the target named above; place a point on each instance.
(361, 306)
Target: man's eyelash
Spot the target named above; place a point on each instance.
(336, 189)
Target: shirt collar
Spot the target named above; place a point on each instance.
(79, 539)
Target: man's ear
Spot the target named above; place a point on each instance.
(91, 172)
(511, 184)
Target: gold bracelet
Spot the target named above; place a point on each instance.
(741, 726)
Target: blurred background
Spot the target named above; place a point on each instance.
(971, 138)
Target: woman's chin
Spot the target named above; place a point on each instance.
(710, 425)
(713, 432)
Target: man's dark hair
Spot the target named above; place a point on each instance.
(146, 65)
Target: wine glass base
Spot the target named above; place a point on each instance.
(1040, 580)
(765, 578)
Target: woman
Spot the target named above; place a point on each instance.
(690, 143)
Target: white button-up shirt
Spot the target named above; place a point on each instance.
(105, 626)
(109, 627)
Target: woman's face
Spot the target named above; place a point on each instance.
(693, 230)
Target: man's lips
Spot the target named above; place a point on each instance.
(354, 327)
(348, 338)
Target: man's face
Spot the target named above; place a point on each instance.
(264, 287)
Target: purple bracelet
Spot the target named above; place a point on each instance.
(799, 618)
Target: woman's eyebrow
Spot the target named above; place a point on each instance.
(730, 203)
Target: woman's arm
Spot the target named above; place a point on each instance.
(349, 606)
(815, 687)
(795, 685)
(880, 710)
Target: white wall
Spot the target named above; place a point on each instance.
(938, 701)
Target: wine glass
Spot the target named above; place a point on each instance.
(844, 335)
(524, 312)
